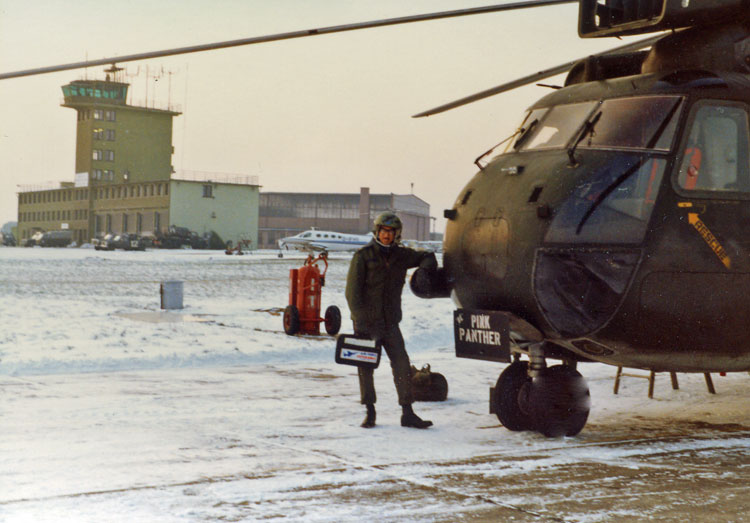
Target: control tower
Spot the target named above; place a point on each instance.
(115, 142)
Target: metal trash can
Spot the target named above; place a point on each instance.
(171, 294)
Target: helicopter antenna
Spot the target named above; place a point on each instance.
(288, 36)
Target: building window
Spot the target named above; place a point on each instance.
(98, 114)
(109, 156)
(110, 116)
(98, 134)
(138, 223)
(110, 135)
(157, 221)
(109, 223)
(208, 191)
(97, 154)
(124, 223)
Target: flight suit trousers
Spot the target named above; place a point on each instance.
(393, 343)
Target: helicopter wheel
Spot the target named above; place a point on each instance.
(559, 400)
(506, 397)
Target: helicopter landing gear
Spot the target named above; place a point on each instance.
(506, 395)
(554, 401)
(558, 400)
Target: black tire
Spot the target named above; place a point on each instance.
(506, 395)
(291, 320)
(560, 401)
(332, 320)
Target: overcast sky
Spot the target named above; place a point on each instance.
(329, 113)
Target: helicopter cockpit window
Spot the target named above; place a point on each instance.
(555, 128)
(716, 153)
(613, 205)
(644, 122)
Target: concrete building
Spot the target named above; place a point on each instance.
(285, 214)
(124, 180)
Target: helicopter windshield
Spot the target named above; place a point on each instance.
(643, 122)
(556, 126)
(646, 122)
(613, 205)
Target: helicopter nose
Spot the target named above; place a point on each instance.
(485, 244)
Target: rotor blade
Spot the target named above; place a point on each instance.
(287, 36)
(532, 78)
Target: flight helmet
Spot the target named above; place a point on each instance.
(388, 219)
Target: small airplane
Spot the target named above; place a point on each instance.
(315, 240)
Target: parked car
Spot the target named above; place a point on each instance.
(106, 243)
(135, 243)
(34, 240)
(56, 239)
(7, 239)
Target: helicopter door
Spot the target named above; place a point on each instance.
(702, 285)
(714, 179)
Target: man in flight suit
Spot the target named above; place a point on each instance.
(373, 290)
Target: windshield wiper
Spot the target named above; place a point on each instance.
(525, 133)
(609, 190)
(586, 129)
(627, 174)
(663, 126)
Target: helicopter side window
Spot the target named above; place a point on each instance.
(716, 152)
(557, 126)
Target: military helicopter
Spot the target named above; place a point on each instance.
(611, 226)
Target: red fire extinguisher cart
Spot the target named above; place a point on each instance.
(302, 315)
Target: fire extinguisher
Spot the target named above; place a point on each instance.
(302, 315)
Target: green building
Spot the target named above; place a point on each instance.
(124, 180)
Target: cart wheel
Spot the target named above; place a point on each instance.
(291, 320)
(333, 320)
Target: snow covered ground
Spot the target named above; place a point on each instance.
(113, 410)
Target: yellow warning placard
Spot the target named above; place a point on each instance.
(710, 239)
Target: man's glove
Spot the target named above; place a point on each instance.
(429, 264)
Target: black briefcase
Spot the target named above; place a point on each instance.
(359, 351)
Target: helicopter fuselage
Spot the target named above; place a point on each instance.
(617, 223)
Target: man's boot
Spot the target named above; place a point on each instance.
(409, 419)
(369, 421)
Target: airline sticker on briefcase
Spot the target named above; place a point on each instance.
(357, 350)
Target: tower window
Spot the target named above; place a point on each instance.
(208, 191)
